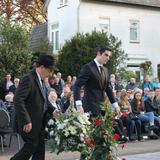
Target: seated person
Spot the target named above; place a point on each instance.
(151, 107)
(138, 108)
(130, 123)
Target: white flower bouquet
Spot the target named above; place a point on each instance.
(68, 132)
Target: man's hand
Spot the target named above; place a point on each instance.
(27, 127)
(118, 112)
(56, 113)
(80, 109)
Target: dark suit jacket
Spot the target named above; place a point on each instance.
(12, 89)
(94, 92)
(29, 104)
(4, 90)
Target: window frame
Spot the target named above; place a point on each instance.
(54, 36)
(137, 31)
(63, 3)
(104, 21)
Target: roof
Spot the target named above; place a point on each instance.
(46, 5)
(39, 33)
(148, 3)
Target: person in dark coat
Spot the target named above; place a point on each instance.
(5, 85)
(14, 86)
(31, 105)
(95, 79)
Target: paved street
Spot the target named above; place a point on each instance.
(146, 156)
(150, 149)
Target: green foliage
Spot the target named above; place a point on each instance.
(102, 135)
(125, 75)
(15, 56)
(42, 47)
(81, 49)
(95, 139)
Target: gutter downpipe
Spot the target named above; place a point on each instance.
(78, 13)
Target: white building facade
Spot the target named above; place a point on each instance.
(136, 25)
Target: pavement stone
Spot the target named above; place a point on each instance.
(148, 150)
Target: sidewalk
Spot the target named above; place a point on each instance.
(150, 149)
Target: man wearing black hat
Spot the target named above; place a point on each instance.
(31, 104)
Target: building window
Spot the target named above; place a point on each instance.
(105, 24)
(63, 2)
(54, 37)
(134, 31)
(158, 71)
(57, 40)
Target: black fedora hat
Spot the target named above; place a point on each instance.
(46, 60)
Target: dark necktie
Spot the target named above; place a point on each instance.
(102, 75)
(43, 87)
(45, 95)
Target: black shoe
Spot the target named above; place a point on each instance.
(4, 145)
(153, 136)
(132, 139)
(123, 140)
(140, 139)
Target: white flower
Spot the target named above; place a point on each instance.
(51, 133)
(46, 129)
(57, 140)
(82, 137)
(50, 122)
(77, 124)
(66, 120)
(80, 145)
(86, 119)
(66, 133)
(61, 126)
(80, 119)
(72, 130)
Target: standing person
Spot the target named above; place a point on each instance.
(30, 102)
(6, 84)
(95, 79)
(14, 86)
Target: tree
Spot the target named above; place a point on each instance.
(125, 75)
(81, 48)
(25, 12)
(15, 56)
(146, 68)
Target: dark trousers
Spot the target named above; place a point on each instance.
(33, 147)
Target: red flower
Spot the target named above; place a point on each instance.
(92, 142)
(122, 145)
(98, 122)
(116, 136)
(123, 158)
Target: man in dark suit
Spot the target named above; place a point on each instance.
(94, 78)
(5, 85)
(31, 105)
(14, 86)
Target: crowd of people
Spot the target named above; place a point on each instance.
(139, 106)
(140, 109)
